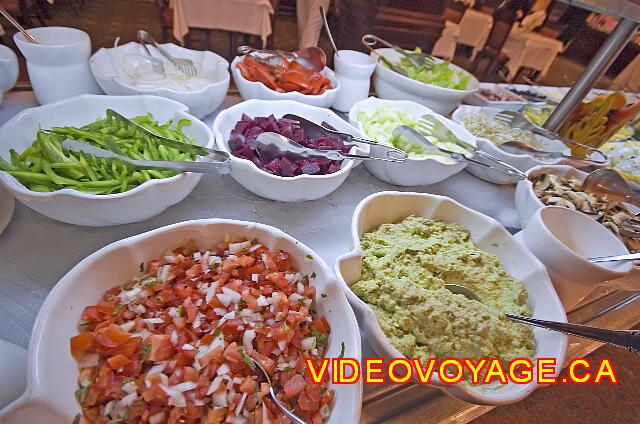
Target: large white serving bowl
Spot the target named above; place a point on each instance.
(201, 102)
(74, 207)
(284, 189)
(52, 371)
(488, 235)
(522, 162)
(257, 90)
(415, 171)
(391, 85)
(562, 239)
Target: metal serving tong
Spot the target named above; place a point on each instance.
(378, 151)
(519, 121)
(423, 60)
(220, 162)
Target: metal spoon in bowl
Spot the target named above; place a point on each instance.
(272, 394)
(520, 148)
(629, 339)
(408, 133)
(608, 183)
(314, 56)
(272, 145)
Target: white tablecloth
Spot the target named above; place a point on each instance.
(35, 251)
(530, 50)
(475, 27)
(244, 16)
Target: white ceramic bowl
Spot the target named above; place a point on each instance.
(284, 189)
(391, 85)
(201, 102)
(488, 235)
(257, 90)
(52, 371)
(478, 99)
(562, 238)
(415, 171)
(74, 207)
(522, 162)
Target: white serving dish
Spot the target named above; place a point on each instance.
(415, 171)
(527, 203)
(201, 102)
(284, 189)
(488, 235)
(7, 205)
(393, 86)
(52, 371)
(522, 162)
(257, 90)
(74, 207)
(478, 99)
(562, 239)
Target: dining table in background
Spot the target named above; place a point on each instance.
(244, 16)
(474, 28)
(629, 78)
(530, 50)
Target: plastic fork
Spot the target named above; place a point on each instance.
(186, 66)
(519, 121)
(430, 125)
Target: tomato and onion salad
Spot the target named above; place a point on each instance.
(172, 345)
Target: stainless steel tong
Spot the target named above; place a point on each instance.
(378, 151)
(629, 339)
(216, 161)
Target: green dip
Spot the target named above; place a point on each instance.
(404, 269)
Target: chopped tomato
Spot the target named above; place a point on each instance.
(80, 344)
(160, 347)
(118, 361)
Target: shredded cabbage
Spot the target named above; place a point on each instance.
(441, 74)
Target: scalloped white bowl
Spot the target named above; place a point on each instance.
(200, 102)
(522, 162)
(284, 189)
(257, 90)
(394, 86)
(74, 207)
(488, 235)
(415, 171)
(52, 371)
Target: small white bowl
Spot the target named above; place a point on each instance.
(257, 90)
(52, 371)
(415, 171)
(284, 189)
(562, 238)
(522, 162)
(94, 210)
(478, 99)
(201, 102)
(488, 235)
(391, 85)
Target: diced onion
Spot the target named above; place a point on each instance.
(223, 369)
(234, 295)
(215, 384)
(187, 346)
(308, 343)
(262, 301)
(239, 247)
(157, 418)
(128, 399)
(219, 399)
(241, 404)
(224, 299)
(247, 339)
(89, 360)
(176, 398)
(186, 386)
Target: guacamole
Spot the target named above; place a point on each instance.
(404, 269)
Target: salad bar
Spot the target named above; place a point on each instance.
(236, 251)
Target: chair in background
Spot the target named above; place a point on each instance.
(165, 15)
(492, 50)
(24, 11)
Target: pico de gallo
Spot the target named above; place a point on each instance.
(173, 344)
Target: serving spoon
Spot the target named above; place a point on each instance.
(629, 339)
(519, 148)
(314, 56)
(608, 183)
(272, 394)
